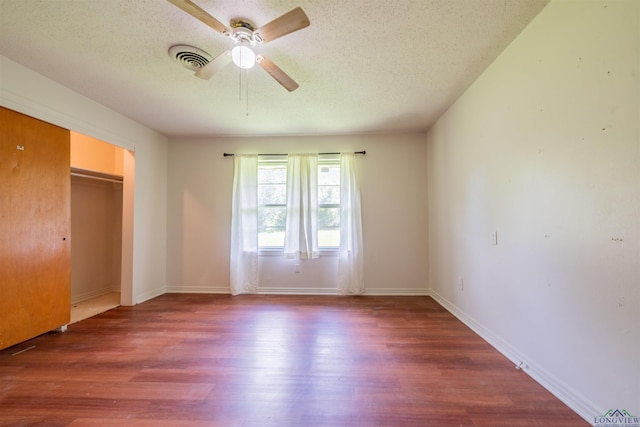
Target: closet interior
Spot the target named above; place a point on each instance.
(96, 226)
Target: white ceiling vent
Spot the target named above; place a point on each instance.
(189, 57)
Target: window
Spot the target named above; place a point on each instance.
(247, 231)
(328, 202)
(272, 199)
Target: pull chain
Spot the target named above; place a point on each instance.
(240, 82)
(246, 77)
(247, 80)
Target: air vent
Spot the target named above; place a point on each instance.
(189, 57)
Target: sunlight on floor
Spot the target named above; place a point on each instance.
(85, 309)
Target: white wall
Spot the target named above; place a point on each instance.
(30, 93)
(394, 187)
(544, 148)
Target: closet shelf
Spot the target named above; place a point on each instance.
(85, 173)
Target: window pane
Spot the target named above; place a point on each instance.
(328, 238)
(329, 217)
(271, 239)
(272, 198)
(329, 195)
(329, 203)
(329, 175)
(272, 194)
(271, 218)
(272, 175)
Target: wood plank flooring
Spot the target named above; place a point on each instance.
(259, 360)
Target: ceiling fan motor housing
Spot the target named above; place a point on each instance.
(241, 22)
(243, 32)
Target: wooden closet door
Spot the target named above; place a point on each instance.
(35, 223)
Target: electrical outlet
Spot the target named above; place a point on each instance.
(494, 238)
(460, 283)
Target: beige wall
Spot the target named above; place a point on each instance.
(96, 230)
(394, 205)
(544, 148)
(92, 154)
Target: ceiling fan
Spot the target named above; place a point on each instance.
(246, 36)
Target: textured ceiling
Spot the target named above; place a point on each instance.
(362, 65)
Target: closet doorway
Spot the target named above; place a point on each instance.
(96, 226)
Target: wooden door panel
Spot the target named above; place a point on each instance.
(34, 227)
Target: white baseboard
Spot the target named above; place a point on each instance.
(272, 290)
(569, 396)
(298, 291)
(397, 292)
(334, 291)
(197, 290)
(149, 295)
(76, 298)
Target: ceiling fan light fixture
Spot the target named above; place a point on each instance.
(243, 57)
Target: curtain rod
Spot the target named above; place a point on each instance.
(363, 152)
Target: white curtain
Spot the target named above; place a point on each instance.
(301, 229)
(350, 262)
(244, 226)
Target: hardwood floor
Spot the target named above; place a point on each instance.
(217, 360)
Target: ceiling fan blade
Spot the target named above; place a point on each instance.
(288, 23)
(200, 14)
(215, 65)
(277, 73)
